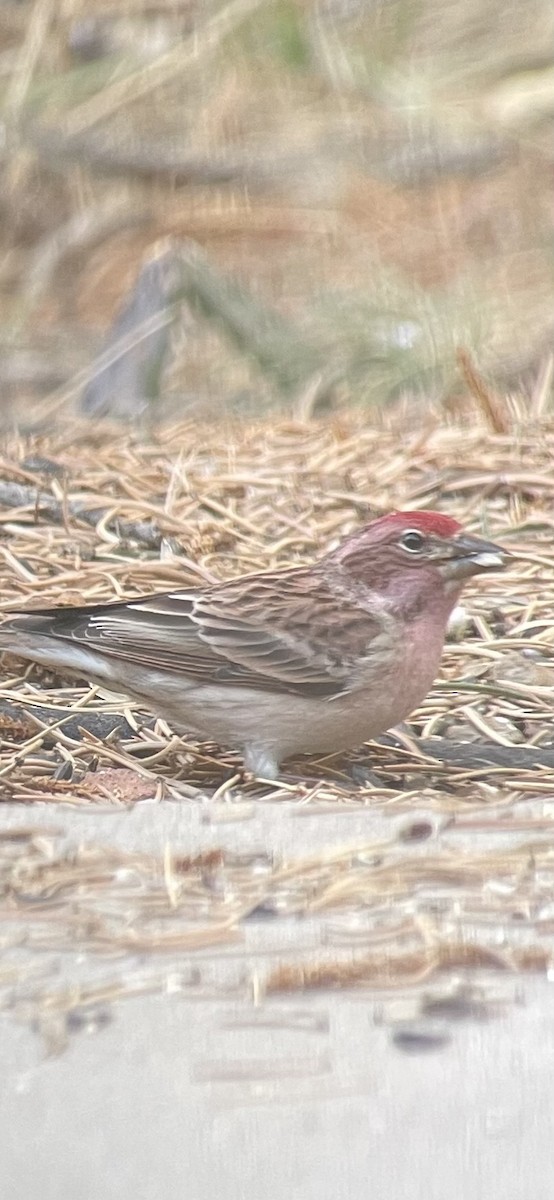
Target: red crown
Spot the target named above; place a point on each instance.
(426, 522)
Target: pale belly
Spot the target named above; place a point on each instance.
(288, 724)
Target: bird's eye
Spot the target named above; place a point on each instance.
(413, 541)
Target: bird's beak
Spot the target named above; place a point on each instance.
(467, 555)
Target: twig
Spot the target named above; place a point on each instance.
(479, 754)
(18, 495)
(202, 42)
(489, 402)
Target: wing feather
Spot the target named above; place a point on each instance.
(283, 631)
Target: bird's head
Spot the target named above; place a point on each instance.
(407, 554)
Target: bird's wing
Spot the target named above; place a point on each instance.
(280, 631)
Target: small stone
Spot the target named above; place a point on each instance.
(462, 731)
(519, 667)
(416, 831)
(420, 1037)
(459, 625)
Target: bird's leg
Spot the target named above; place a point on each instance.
(261, 761)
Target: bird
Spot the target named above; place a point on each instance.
(305, 659)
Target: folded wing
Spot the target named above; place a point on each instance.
(281, 631)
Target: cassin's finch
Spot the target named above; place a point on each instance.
(313, 659)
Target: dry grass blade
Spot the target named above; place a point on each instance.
(489, 402)
(204, 41)
(29, 55)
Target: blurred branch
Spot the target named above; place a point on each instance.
(138, 156)
(29, 55)
(203, 41)
(489, 402)
(275, 344)
(127, 374)
(19, 495)
(82, 232)
(378, 342)
(482, 754)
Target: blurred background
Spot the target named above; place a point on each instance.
(302, 251)
(232, 206)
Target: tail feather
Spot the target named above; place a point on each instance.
(33, 622)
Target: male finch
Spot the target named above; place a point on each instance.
(316, 658)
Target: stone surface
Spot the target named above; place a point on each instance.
(198, 1091)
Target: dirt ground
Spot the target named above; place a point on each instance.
(150, 1071)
